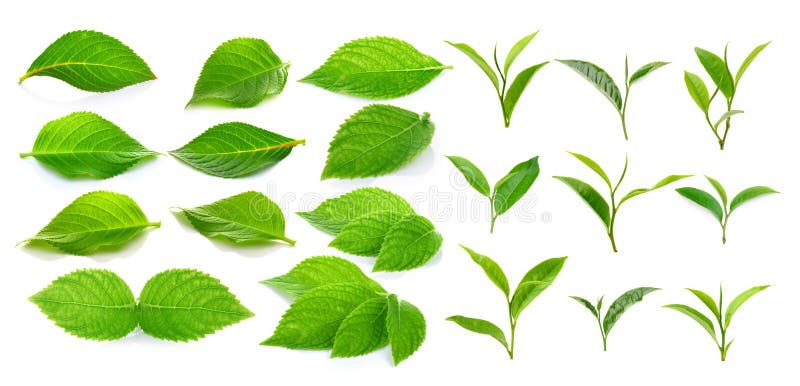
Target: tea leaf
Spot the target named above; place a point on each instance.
(701, 319)
(599, 78)
(235, 149)
(94, 221)
(622, 304)
(747, 61)
(479, 60)
(514, 185)
(376, 68)
(590, 196)
(697, 89)
(725, 116)
(318, 271)
(406, 327)
(749, 194)
(364, 236)
(589, 306)
(244, 218)
(241, 72)
(491, 269)
(665, 181)
(377, 140)
(703, 199)
(90, 61)
(91, 303)
(515, 51)
(718, 70)
(645, 70)
(410, 243)
(334, 213)
(707, 300)
(363, 331)
(480, 326)
(720, 190)
(518, 86)
(84, 144)
(534, 283)
(591, 164)
(472, 174)
(739, 300)
(185, 304)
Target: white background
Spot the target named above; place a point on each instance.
(665, 240)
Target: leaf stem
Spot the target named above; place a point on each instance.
(602, 332)
(513, 323)
(624, 108)
(491, 213)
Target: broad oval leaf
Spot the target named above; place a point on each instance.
(518, 86)
(333, 214)
(185, 304)
(534, 283)
(747, 61)
(703, 199)
(244, 218)
(363, 331)
(739, 300)
(590, 196)
(91, 61)
(599, 78)
(749, 194)
(725, 116)
(591, 164)
(723, 195)
(364, 236)
(491, 269)
(377, 140)
(697, 90)
(376, 68)
(514, 185)
(480, 326)
(589, 306)
(84, 144)
(410, 243)
(472, 174)
(622, 304)
(515, 50)
(90, 303)
(479, 60)
(318, 271)
(707, 300)
(718, 70)
(241, 72)
(94, 221)
(701, 319)
(645, 70)
(235, 149)
(406, 327)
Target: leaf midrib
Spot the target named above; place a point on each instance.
(251, 76)
(64, 64)
(122, 306)
(191, 308)
(137, 225)
(232, 221)
(36, 153)
(246, 151)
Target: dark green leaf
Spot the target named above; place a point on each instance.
(479, 60)
(645, 70)
(703, 199)
(739, 300)
(749, 194)
(590, 196)
(599, 78)
(589, 306)
(472, 174)
(718, 70)
(518, 86)
(622, 304)
(514, 185)
(491, 268)
(480, 326)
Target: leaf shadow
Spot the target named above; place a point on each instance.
(65, 94)
(44, 251)
(255, 249)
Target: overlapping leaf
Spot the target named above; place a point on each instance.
(333, 214)
(410, 243)
(318, 271)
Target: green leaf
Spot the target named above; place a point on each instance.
(90, 303)
(244, 218)
(185, 304)
(377, 140)
(472, 174)
(589, 306)
(720, 190)
(241, 72)
(479, 60)
(622, 304)
(406, 327)
(410, 243)
(701, 319)
(739, 300)
(518, 86)
(376, 68)
(660, 184)
(747, 61)
(90, 61)
(334, 213)
(363, 331)
(480, 326)
(718, 70)
(591, 164)
(516, 50)
(84, 144)
(491, 269)
(534, 283)
(364, 235)
(707, 300)
(514, 185)
(235, 149)
(703, 199)
(697, 89)
(599, 78)
(645, 70)
(749, 194)
(314, 318)
(590, 196)
(94, 221)
(318, 271)
(725, 116)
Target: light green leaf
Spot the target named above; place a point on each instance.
(363, 331)
(747, 61)
(94, 221)
(235, 149)
(703, 199)
(622, 304)
(376, 68)
(515, 51)
(591, 164)
(718, 70)
(318, 271)
(701, 319)
(720, 190)
(725, 116)
(480, 326)
(749, 194)
(660, 184)
(314, 318)
(534, 283)
(410, 243)
(739, 300)
(472, 174)
(406, 327)
(645, 70)
(697, 89)
(491, 269)
(589, 306)
(334, 213)
(185, 304)
(518, 86)
(240, 73)
(84, 144)
(377, 140)
(707, 300)
(244, 218)
(90, 61)
(599, 78)
(364, 235)
(590, 196)
(90, 303)
(479, 60)
(514, 185)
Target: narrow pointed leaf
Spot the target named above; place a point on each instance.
(472, 174)
(599, 78)
(749, 194)
(491, 269)
(406, 327)
(94, 221)
(333, 214)
(480, 326)
(723, 195)
(748, 60)
(518, 86)
(697, 89)
(376, 68)
(703, 199)
(739, 300)
(364, 236)
(479, 60)
(590, 196)
(514, 185)
(660, 184)
(410, 243)
(377, 140)
(718, 70)
(591, 164)
(707, 300)
(701, 319)
(725, 116)
(85, 144)
(645, 70)
(240, 73)
(516, 50)
(235, 149)
(534, 283)
(318, 271)
(622, 304)
(90, 61)
(589, 306)
(363, 331)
